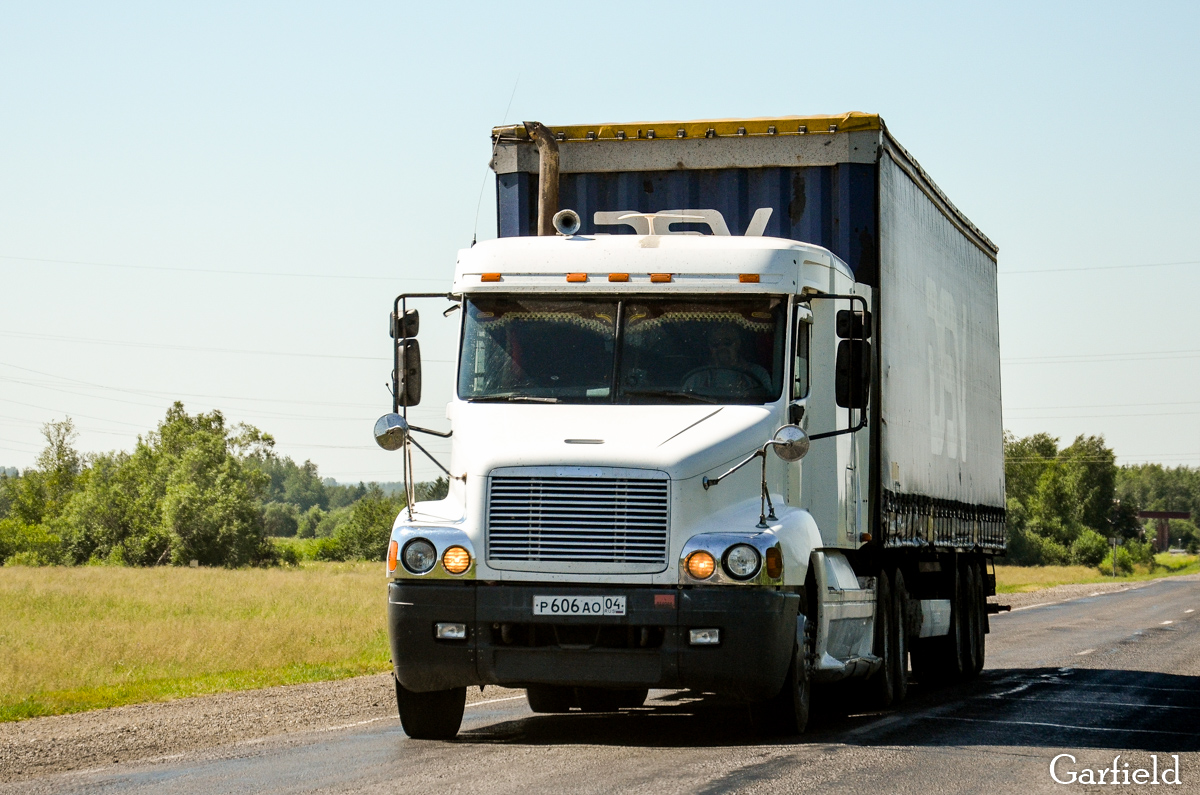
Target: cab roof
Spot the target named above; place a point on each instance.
(621, 263)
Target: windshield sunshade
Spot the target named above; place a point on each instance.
(651, 350)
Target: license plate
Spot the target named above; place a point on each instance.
(579, 605)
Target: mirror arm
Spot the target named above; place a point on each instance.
(430, 456)
(443, 434)
(707, 482)
(862, 423)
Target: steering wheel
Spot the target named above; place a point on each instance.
(711, 378)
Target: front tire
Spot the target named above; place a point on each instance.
(436, 715)
(787, 712)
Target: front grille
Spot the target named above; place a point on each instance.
(578, 520)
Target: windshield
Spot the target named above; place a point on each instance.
(632, 350)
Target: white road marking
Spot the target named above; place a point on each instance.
(1085, 651)
(1030, 607)
(1163, 624)
(1189, 610)
(1063, 726)
(494, 701)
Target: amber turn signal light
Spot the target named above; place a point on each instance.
(701, 565)
(490, 277)
(774, 563)
(618, 277)
(456, 560)
(659, 278)
(577, 277)
(748, 278)
(393, 553)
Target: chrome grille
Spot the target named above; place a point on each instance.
(579, 520)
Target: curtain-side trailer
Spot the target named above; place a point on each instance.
(726, 416)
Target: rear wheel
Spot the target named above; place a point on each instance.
(550, 698)
(900, 619)
(980, 619)
(430, 716)
(882, 682)
(969, 623)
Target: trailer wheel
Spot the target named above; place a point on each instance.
(430, 716)
(980, 605)
(968, 626)
(900, 674)
(882, 682)
(548, 699)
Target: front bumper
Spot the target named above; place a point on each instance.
(648, 647)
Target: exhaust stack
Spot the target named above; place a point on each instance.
(547, 175)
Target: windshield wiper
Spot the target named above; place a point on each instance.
(669, 393)
(512, 399)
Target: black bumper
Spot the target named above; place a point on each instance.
(648, 647)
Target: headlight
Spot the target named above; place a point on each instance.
(419, 556)
(741, 561)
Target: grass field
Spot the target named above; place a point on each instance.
(80, 638)
(1020, 579)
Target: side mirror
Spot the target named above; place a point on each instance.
(790, 443)
(853, 373)
(853, 325)
(408, 372)
(406, 327)
(390, 431)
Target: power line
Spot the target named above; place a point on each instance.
(1104, 357)
(1100, 268)
(130, 344)
(220, 272)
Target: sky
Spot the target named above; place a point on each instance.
(216, 203)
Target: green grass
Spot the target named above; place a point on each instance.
(1022, 579)
(82, 638)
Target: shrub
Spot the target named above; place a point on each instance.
(1124, 563)
(281, 519)
(365, 535)
(1089, 548)
(24, 544)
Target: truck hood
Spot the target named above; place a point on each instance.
(683, 441)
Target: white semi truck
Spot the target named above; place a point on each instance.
(730, 421)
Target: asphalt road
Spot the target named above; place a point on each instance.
(1094, 677)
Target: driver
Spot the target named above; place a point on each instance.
(727, 371)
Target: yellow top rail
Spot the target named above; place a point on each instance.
(703, 128)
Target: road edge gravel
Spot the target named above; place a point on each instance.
(146, 732)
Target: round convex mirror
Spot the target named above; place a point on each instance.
(390, 431)
(790, 443)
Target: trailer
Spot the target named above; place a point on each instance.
(726, 417)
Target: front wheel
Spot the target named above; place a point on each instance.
(431, 716)
(787, 712)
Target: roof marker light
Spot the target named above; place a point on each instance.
(659, 278)
(577, 277)
(748, 278)
(489, 277)
(618, 277)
